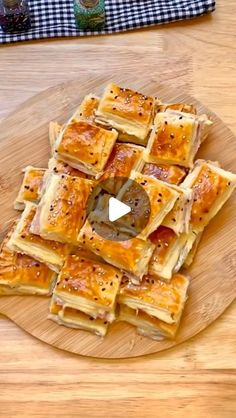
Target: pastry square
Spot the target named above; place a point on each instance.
(148, 325)
(21, 274)
(128, 111)
(191, 255)
(73, 318)
(123, 159)
(88, 286)
(175, 138)
(54, 131)
(172, 174)
(179, 217)
(168, 250)
(212, 186)
(129, 254)
(31, 186)
(59, 167)
(181, 107)
(159, 200)
(87, 109)
(52, 253)
(157, 298)
(85, 146)
(63, 208)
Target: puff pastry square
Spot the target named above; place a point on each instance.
(161, 200)
(181, 107)
(193, 251)
(54, 131)
(52, 253)
(88, 107)
(62, 209)
(85, 146)
(131, 254)
(59, 167)
(21, 274)
(88, 286)
(72, 318)
(168, 251)
(147, 325)
(172, 174)
(212, 186)
(179, 217)
(123, 159)
(175, 138)
(157, 298)
(130, 112)
(30, 190)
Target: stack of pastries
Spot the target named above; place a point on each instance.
(54, 248)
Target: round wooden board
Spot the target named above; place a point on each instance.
(24, 141)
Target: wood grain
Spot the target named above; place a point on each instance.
(196, 378)
(213, 277)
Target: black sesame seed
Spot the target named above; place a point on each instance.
(111, 284)
(181, 117)
(115, 97)
(37, 265)
(160, 194)
(27, 187)
(159, 245)
(103, 289)
(172, 136)
(105, 322)
(114, 108)
(117, 276)
(91, 318)
(159, 200)
(153, 281)
(23, 236)
(173, 219)
(95, 298)
(166, 123)
(111, 91)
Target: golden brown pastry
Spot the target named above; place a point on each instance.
(123, 159)
(59, 167)
(30, 190)
(168, 250)
(181, 107)
(192, 253)
(85, 146)
(131, 254)
(147, 325)
(88, 107)
(157, 298)
(172, 174)
(52, 253)
(21, 274)
(54, 131)
(159, 202)
(128, 111)
(179, 216)
(212, 186)
(88, 286)
(62, 209)
(72, 318)
(175, 138)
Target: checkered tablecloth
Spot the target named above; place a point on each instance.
(53, 18)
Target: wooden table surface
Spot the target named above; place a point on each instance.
(197, 378)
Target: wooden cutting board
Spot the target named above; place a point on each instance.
(24, 141)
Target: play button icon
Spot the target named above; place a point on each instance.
(120, 217)
(117, 209)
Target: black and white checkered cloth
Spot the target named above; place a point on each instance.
(53, 18)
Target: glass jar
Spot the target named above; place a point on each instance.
(14, 16)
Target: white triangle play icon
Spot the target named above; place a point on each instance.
(117, 209)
